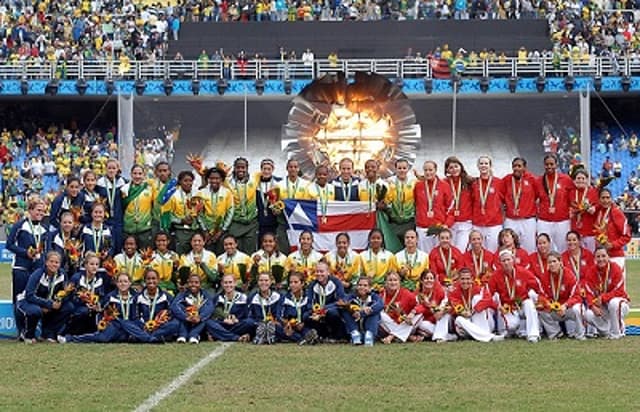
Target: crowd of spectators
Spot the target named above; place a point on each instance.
(39, 163)
(35, 30)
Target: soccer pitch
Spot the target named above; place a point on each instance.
(510, 375)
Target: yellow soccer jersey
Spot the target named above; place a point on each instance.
(413, 263)
(231, 265)
(209, 264)
(297, 262)
(377, 265)
(218, 208)
(130, 265)
(345, 268)
(137, 207)
(400, 199)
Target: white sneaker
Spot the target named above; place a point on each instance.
(62, 339)
(497, 338)
(368, 339)
(356, 338)
(181, 339)
(194, 340)
(533, 339)
(29, 341)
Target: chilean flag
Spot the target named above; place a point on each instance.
(354, 218)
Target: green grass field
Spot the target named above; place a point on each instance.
(511, 375)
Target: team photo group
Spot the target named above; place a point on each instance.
(206, 255)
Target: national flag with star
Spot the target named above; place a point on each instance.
(355, 218)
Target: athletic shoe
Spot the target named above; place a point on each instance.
(51, 340)
(270, 333)
(356, 338)
(62, 339)
(310, 338)
(28, 341)
(533, 339)
(368, 339)
(497, 338)
(260, 334)
(194, 340)
(181, 339)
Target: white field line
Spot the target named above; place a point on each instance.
(153, 401)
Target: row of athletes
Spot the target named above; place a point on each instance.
(444, 260)
(241, 204)
(509, 302)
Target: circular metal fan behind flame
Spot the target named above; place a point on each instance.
(368, 119)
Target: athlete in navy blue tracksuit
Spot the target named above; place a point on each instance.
(264, 307)
(44, 300)
(154, 323)
(27, 241)
(294, 314)
(324, 294)
(121, 303)
(362, 315)
(192, 308)
(229, 322)
(90, 288)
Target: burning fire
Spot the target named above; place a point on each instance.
(358, 135)
(369, 118)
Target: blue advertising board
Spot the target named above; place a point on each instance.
(5, 255)
(7, 320)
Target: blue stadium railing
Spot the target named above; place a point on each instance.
(274, 77)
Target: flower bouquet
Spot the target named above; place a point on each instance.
(600, 231)
(458, 309)
(36, 251)
(242, 270)
(73, 248)
(277, 271)
(77, 212)
(192, 311)
(381, 192)
(275, 202)
(109, 315)
(160, 319)
(146, 255)
(87, 297)
(318, 310)
(109, 265)
(65, 292)
(197, 162)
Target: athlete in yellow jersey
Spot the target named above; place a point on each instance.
(130, 262)
(244, 224)
(343, 262)
(137, 201)
(376, 262)
(218, 209)
(411, 261)
(201, 262)
(234, 262)
(399, 200)
(291, 187)
(304, 259)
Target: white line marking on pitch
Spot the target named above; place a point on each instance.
(183, 378)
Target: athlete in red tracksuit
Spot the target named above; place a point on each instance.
(487, 201)
(433, 200)
(520, 197)
(553, 190)
(606, 302)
